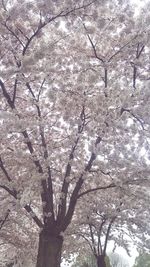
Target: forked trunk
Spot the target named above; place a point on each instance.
(49, 251)
(101, 261)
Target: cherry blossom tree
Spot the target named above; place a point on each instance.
(74, 111)
(107, 218)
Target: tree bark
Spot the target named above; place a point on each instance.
(49, 251)
(101, 261)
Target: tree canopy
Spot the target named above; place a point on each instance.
(74, 120)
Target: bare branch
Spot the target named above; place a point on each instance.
(6, 95)
(30, 90)
(112, 185)
(11, 192)
(22, 33)
(92, 238)
(93, 46)
(134, 76)
(99, 237)
(65, 186)
(106, 79)
(2, 222)
(15, 90)
(26, 207)
(138, 53)
(40, 90)
(107, 234)
(13, 33)
(33, 215)
(73, 201)
(4, 170)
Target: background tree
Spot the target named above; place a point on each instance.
(84, 260)
(88, 260)
(102, 219)
(95, 226)
(68, 107)
(142, 260)
(118, 260)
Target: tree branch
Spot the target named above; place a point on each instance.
(74, 197)
(65, 186)
(78, 8)
(15, 90)
(14, 193)
(42, 25)
(86, 239)
(133, 115)
(72, 203)
(2, 222)
(13, 33)
(107, 234)
(112, 185)
(33, 215)
(4, 170)
(99, 238)
(122, 47)
(47, 194)
(93, 46)
(92, 238)
(138, 53)
(11, 192)
(6, 95)
(26, 207)
(38, 97)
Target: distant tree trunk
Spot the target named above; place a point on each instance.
(101, 261)
(49, 251)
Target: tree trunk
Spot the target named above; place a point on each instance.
(49, 251)
(101, 261)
